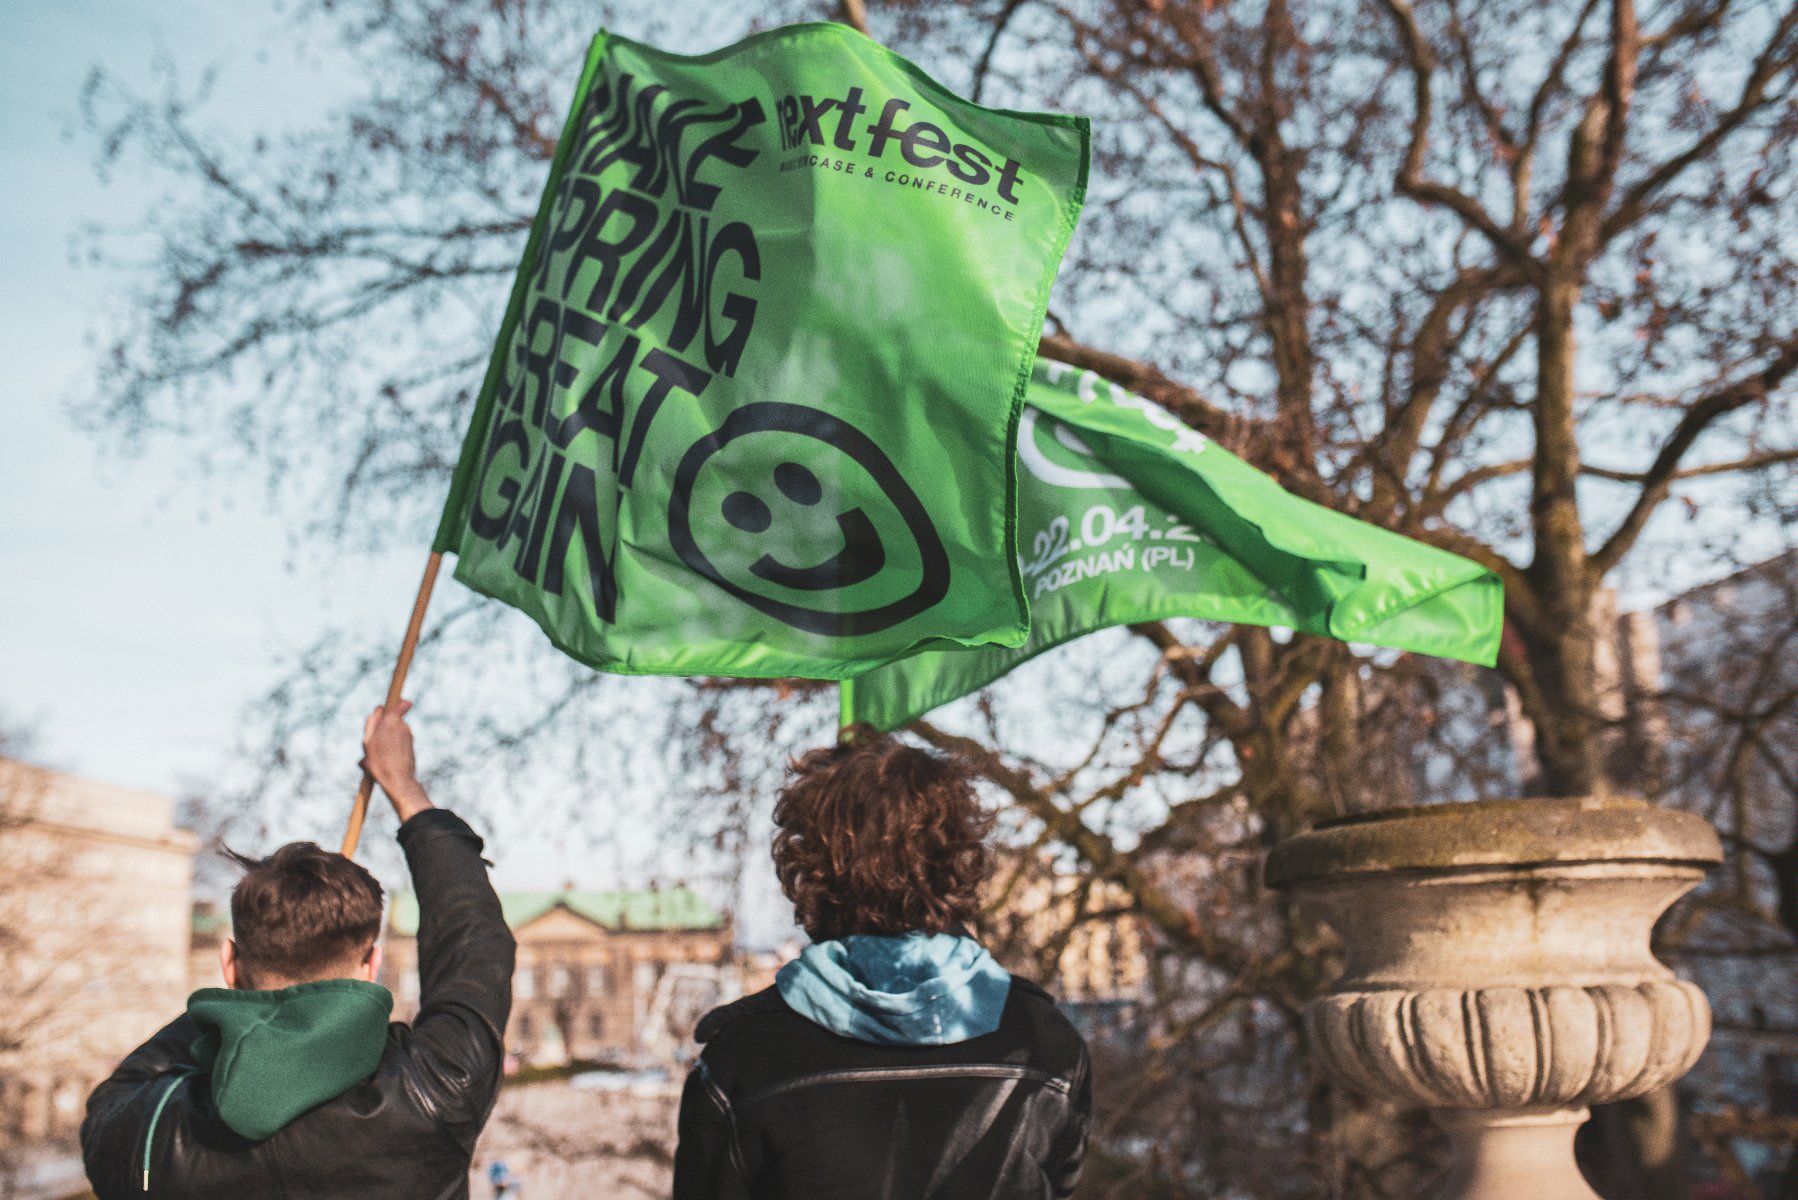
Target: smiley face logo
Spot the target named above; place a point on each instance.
(861, 558)
(788, 508)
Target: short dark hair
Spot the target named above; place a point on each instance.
(875, 836)
(301, 912)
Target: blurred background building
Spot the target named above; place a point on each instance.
(95, 887)
(602, 976)
(1075, 936)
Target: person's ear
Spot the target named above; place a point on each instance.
(228, 962)
(371, 966)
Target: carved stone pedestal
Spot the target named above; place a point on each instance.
(1499, 973)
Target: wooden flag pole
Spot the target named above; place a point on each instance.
(353, 834)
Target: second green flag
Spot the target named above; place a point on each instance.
(1126, 514)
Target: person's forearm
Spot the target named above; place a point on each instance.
(465, 950)
(465, 959)
(409, 799)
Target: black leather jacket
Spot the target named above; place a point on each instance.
(407, 1131)
(779, 1108)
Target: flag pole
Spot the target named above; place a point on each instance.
(353, 834)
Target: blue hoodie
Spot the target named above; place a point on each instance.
(918, 989)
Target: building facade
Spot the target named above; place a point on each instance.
(1074, 935)
(602, 976)
(94, 939)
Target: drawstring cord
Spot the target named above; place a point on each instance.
(150, 1137)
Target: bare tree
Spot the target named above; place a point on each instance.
(1514, 279)
(64, 963)
(27, 999)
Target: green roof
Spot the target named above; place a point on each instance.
(675, 908)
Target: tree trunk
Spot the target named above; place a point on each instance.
(1561, 651)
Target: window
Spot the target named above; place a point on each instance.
(408, 985)
(559, 982)
(524, 983)
(596, 1026)
(596, 980)
(524, 1029)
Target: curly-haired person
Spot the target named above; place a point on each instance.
(894, 1058)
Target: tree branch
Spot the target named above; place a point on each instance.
(1753, 462)
(1665, 468)
(992, 44)
(1767, 66)
(1410, 180)
(1552, 83)
(1430, 355)
(1226, 428)
(1179, 924)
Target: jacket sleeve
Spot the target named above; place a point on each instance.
(708, 1161)
(465, 959)
(118, 1111)
(1070, 1143)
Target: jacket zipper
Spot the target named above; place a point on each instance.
(945, 1071)
(150, 1137)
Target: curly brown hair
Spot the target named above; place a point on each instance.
(875, 836)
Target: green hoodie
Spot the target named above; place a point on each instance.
(275, 1055)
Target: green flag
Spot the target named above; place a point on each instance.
(1126, 514)
(752, 405)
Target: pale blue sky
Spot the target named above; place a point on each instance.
(142, 608)
(132, 626)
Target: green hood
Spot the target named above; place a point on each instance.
(275, 1055)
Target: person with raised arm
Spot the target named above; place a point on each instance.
(290, 1081)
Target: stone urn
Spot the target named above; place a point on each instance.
(1499, 971)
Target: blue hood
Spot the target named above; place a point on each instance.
(921, 989)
